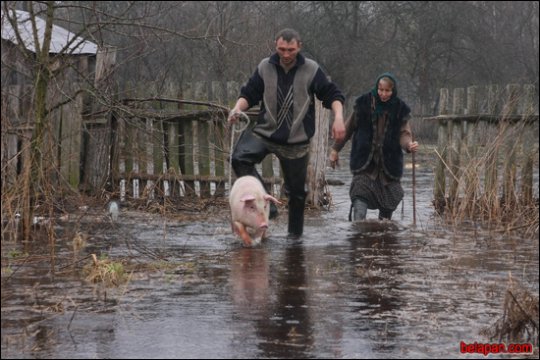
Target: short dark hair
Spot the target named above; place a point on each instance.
(288, 35)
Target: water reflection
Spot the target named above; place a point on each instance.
(269, 299)
(287, 333)
(375, 271)
(250, 279)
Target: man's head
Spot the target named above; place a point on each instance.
(288, 45)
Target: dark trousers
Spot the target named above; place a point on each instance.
(250, 150)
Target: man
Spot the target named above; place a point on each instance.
(285, 84)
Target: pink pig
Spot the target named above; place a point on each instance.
(250, 209)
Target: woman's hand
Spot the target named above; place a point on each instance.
(334, 159)
(412, 147)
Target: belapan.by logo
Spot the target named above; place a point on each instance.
(496, 348)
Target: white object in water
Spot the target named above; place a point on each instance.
(114, 210)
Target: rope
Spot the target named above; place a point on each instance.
(240, 125)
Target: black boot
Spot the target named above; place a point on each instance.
(294, 172)
(296, 218)
(385, 214)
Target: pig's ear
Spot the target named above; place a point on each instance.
(248, 197)
(271, 198)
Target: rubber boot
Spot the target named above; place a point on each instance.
(359, 210)
(294, 172)
(296, 218)
(385, 214)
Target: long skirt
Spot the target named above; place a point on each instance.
(376, 193)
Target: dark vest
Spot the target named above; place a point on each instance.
(363, 147)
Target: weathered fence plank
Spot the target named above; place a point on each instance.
(219, 153)
(204, 156)
(442, 144)
(71, 136)
(318, 157)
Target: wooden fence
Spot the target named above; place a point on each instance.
(180, 153)
(166, 151)
(487, 128)
(151, 146)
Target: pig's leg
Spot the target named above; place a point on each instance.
(260, 235)
(242, 232)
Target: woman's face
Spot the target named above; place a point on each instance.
(384, 90)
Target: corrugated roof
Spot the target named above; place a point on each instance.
(60, 36)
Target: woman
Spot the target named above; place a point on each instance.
(380, 130)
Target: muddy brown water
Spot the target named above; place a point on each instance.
(344, 290)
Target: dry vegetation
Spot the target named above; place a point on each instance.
(519, 322)
(496, 186)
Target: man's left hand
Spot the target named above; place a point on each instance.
(338, 129)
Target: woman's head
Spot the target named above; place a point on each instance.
(385, 87)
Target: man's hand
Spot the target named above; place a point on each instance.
(234, 115)
(334, 159)
(338, 129)
(236, 112)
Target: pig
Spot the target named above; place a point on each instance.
(250, 209)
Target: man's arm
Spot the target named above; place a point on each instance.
(240, 106)
(338, 129)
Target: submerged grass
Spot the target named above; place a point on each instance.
(519, 322)
(105, 271)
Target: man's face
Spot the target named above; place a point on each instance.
(287, 51)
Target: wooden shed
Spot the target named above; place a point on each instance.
(72, 65)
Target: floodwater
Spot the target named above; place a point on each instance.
(344, 290)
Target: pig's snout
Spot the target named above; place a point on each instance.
(263, 226)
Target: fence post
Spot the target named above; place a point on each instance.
(219, 141)
(204, 156)
(318, 156)
(529, 146)
(510, 108)
(98, 161)
(490, 178)
(440, 177)
(469, 148)
(455, 133)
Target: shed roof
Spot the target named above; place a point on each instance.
(60, 36)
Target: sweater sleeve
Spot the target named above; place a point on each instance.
(253, 90)
(325, 90)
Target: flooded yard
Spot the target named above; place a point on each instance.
(190, 290)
